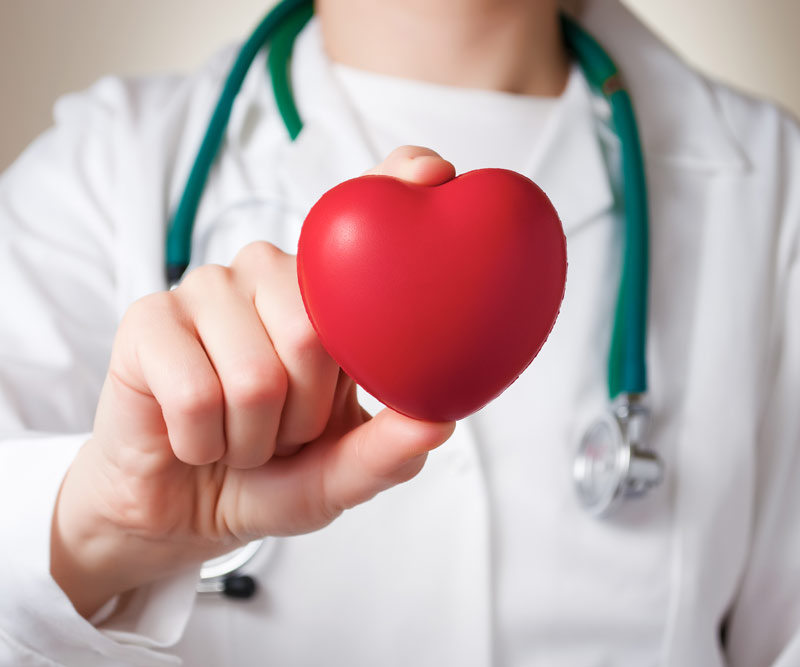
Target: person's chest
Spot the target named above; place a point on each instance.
(486, 558)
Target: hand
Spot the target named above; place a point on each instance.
(223, 419)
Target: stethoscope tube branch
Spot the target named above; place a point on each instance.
(627, 369)
(179, 233)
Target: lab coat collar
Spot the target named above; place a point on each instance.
(332, 146)
(679, 118)
(568, 163)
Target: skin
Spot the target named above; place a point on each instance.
(200, 445)
(510, 45)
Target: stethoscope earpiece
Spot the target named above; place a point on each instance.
(222, 576)
(234, 586)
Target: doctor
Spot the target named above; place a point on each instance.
(146, 430)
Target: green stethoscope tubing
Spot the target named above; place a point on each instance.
(627, 371)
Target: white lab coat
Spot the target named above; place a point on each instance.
(412, 577)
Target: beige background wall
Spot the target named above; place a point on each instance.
(48, 47)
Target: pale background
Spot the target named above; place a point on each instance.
(48, 47)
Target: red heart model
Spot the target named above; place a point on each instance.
(433, 299)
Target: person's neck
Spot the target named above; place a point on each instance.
(509, 45)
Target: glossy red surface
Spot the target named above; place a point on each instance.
(434, 299)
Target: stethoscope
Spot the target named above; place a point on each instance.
(612, 462)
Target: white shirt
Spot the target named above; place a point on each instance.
(473, 128)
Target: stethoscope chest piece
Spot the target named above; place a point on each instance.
(612, 462)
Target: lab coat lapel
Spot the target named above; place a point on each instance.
(692, 134)
(687, 144)
(577, 160)
(568, 163)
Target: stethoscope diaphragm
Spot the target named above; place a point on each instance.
(612, 462)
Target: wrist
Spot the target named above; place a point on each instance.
(92, 558)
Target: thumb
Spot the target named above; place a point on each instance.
(388, 449)
(303, 492)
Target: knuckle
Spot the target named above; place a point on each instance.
(323, 503)
(192, 399)
(143, 321)
(386, 473)
(328, 511)
(409, 152)
(317, 423)
(150, 309)
(257, 384)
(258, 254)
(405, 151)
(203, 277)
(250, 458)
(303, 344)
(409, 469)
(294, 434)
